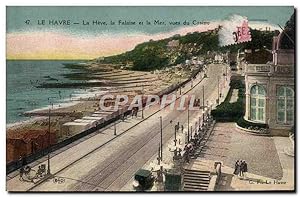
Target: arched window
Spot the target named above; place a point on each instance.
(257, 103)
(285, 105)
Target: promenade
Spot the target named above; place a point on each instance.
(104, 161)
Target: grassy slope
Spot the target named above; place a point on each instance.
(153, 55)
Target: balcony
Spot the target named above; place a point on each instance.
(269, 70)
(258, 68)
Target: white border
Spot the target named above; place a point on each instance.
(114, 3)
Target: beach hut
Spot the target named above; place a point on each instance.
(99, 119)
(93, 123)
(73, 128)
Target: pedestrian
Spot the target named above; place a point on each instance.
(237, 168)
(244, 168)
(182, 128)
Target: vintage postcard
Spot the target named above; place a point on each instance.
(150, 99)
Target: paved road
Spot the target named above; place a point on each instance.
(112, 166)
(115, 171)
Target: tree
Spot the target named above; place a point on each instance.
(288, 38)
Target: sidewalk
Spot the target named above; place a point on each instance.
(264, 172)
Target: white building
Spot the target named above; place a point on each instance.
(270, 90)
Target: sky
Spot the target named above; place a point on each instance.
(28, 38)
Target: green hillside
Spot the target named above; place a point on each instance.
(154, 55)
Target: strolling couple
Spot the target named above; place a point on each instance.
(240, 168)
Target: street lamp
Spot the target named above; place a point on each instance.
(202, 117)
(142, 101)
(218, 90)
(161, 136)
(158, 156)
(175, 132)
(191, 133)
(175, 140)
(203, 96)
(188, 126)
(199, 122)
(185, 138)
(49, 142)
(180, 85)
(49, 138)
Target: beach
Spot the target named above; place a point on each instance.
(72, 116)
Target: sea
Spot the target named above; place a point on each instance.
(22, 79)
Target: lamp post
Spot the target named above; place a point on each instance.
(159, 152)
(203, 96)
(175, 140)
(188, 126)
(49, 133)
(226, 71)
(161, 136)
(142, 101)
(202, 117)
(180, 85)
(218, 90)
(191, 132)
(49, 142)
(185, 138)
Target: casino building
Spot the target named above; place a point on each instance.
(270, 88)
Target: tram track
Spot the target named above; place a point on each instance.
(119, 161)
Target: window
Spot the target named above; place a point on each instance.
(257, 103)
(285, 105)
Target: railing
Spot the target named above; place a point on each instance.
(255, 68)
(14, 165)
(284, 69)
(272, 69)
